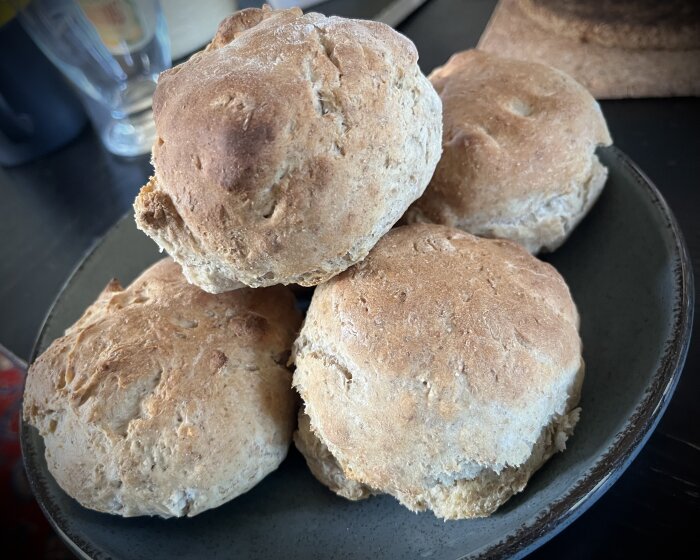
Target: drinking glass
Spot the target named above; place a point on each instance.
(113, 52)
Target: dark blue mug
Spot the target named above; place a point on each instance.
(39, 112)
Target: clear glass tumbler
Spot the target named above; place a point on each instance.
(113, 51)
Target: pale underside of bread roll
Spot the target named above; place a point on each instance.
(444, 370)
(165, 400)
(287, 148)
(518, 160)
(478, 495)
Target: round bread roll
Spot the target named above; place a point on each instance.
(165, 400)
(287, 148)
(518, 159)
(444, 369)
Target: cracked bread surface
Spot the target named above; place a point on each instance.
(518, 161)
(165, 400)
(287, 148)
(443, 369)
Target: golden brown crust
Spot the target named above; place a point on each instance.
(165, 400)
(438, 356)
(518, 151)
(288, 151)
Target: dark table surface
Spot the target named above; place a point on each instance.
(54, 209)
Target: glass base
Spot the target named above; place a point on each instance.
(130, 136)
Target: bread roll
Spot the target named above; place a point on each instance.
(165, 400)
(444, 369)
(287, 148)
(518, 160)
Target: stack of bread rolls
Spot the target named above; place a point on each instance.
(439, 361)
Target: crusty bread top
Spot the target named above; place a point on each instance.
(138, 399)
(158, 318)
(289, 145)
(631, 24)
(437, 332)
(515, 135)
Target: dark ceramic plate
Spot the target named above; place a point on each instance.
(630, 275)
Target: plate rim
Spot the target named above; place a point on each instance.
(627, 443)
(640, 425)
